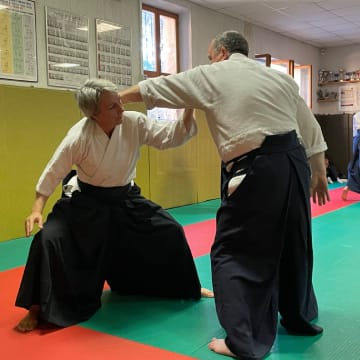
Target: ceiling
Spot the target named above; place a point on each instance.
(321, 23)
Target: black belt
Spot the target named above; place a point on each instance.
(241, 162)
(106, 192)
(271, 144)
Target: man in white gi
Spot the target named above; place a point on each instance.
(105, 230)
(266, 137)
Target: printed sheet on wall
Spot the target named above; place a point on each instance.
(67, 44)
(18, 59)
(113, 45)
(349, 98)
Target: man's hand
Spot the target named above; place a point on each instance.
(36, 214)
(131, 94)
(319, 184)
(33, 218)
(319, 189)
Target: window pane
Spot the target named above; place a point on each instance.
(168, 56)
(164, 113)
(148, 41)
(302, 76)
(285, 66)
(262, 61)
(280, 67)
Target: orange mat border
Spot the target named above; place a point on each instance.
(72, 343)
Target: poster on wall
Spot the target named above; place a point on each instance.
(18, 59)
(349, 98)
(67, 44)
(113, 45)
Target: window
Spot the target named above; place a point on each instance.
(285, 66)
(302, 74)
(303, 77)
(160, 50)
(264, 59)
(159, 42)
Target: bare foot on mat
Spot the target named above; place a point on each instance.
(30, 321)
(219, 346)
(344, 193)
(207, 293)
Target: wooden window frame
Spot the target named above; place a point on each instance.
(158, 12)
(291, 67)
(266, 57)
(290, 64)
(308, 67)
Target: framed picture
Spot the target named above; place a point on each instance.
(67, 44)
(113, 53)
(18, 50)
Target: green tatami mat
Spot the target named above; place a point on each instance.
(336, 185)
(181, 326)
(14, 253)
(186, 327)
(336, 272)
(190, 214)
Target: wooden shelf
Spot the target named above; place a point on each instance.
(344, 82)
(327, 100)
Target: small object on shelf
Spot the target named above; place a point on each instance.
(323, 75)
(326, 96)
(320, 94)
(333, 95)
(341, 74)
(348, 76)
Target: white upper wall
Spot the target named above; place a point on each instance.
(333, 59)
(198, 25)
(344, 57)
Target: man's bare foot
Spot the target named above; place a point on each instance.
(30, 321)
(345, 193)
(207, 293)
(219, 346)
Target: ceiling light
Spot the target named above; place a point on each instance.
(66, 65)
(102, 27)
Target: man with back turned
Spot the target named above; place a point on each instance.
(272, 152)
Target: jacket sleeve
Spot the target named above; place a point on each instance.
(310, 131)
(164, 134)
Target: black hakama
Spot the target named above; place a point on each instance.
(262, 256)
(99, 234)
(354, 166)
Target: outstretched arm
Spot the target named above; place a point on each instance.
(132, 94)
(187, 118)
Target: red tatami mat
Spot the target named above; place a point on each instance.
(201, 235)
(335, 202)
(72, 343)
